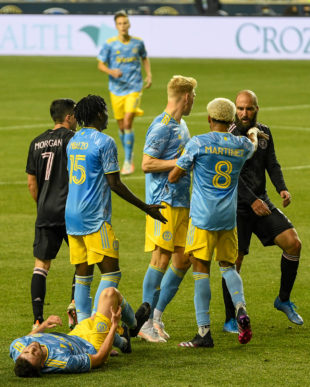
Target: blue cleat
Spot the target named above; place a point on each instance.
(231, 326)
(288, 308)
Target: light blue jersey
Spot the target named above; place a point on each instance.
(65, 354)
(217, 158)
(166, 139)
(91, 155)
(127, 58)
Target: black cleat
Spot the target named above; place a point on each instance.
(198, 341)
(127, 348)
(142, 315)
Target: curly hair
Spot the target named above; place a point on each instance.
(87, 109)
(24, 369)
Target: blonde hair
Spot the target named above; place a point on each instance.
(179, 85)
(221, 109)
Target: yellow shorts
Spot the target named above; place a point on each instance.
(93, 247)
(126, 104)
(203, 243)
(93, 330)
(168, 235)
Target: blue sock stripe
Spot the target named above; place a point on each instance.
(157, 269)
(178, 272)
(226, 269)
(198, 276)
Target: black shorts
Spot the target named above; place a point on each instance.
(266, 228)
(47, 241)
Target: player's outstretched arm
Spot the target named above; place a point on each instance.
(124, 192)
(51, 322)
(175, 174)
(102, 355)
(150, 164)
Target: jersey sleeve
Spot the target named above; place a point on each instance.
(78, 363)
(104, 53)
(248, 147)
(30, 167)
(109, 157)
(142, 50)
(156, 141)
(190, 151)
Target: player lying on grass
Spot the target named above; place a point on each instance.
(87, 346)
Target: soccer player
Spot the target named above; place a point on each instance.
(257, 214)
(86, 347)
(93, 173)
(165, 141)
(217, 158)
(48, 185)
(120, 58)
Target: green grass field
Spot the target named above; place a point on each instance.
(279, 352)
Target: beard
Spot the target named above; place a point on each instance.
(244, 127)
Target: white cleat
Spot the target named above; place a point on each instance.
(151, 335)
(160, 327)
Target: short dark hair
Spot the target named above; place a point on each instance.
(60, 108)
(87, 109)
(24, 369)
(118, 14)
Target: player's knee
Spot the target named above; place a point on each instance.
(225, 264)
(109, 293)
(295, 246)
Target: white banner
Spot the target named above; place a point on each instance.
(164, 36)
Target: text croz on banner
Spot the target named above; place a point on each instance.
(171, 37)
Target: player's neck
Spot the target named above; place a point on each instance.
(124, 38)
(174, 111)
(61, 125)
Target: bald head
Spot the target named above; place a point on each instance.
(247, 109)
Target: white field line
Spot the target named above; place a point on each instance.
(150, 118)
(141, 177)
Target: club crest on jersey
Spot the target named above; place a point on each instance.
(115, 245)
(262, 143)
(167, 236)
(101, 327)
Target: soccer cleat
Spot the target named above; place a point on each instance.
(128, 168)
(160, 327)
(126, 335)
(151, 335)
(231, 326)
(72, 316)
(244, 326)
(35, 325)
(199, 341)
(142, 315)
(288, 308)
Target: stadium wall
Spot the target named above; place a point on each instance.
(165, 37)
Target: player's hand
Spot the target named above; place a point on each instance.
(148, 81)
(286, 196)
(116, 73)
(153, 211)
(260, 208)
(116, 316)
(52, 322)
(262, 134)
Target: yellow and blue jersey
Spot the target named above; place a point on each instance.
(166, 139)
(217, 159)
(65, 354)
(127, 58)
(91, 155)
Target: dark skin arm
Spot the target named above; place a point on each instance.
(124, 192)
